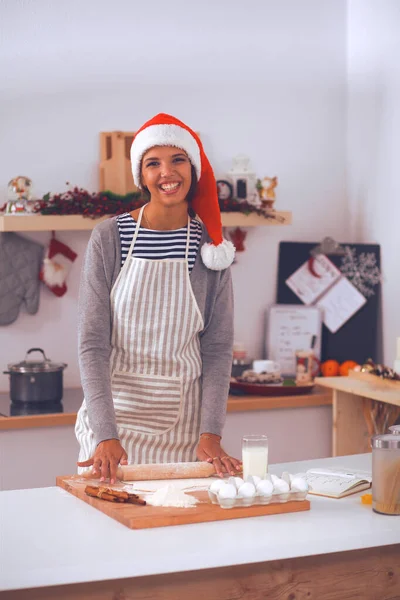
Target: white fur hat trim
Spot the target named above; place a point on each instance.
(163, 135)
(218, 257)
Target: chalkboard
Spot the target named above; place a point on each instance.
(290, 327)
(360, 337)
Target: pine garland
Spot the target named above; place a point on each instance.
(233, 205)
(78, 201)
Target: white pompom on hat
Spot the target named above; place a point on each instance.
(165, 130)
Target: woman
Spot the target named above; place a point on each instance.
(155, 318)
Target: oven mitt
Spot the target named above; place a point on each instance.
(20, 261)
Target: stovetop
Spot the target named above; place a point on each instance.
(70, 403)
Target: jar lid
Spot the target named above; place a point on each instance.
(36, 366)
(395, 429)
(387, 440)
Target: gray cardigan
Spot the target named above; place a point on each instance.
(214, 296)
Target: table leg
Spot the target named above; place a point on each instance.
(350, 433)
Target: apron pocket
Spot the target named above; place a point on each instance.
(148, 404)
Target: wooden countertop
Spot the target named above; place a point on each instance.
(365, 386)
(318, 397)
(73, 398)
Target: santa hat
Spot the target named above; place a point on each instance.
(164, 130)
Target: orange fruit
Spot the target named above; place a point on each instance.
(347, 366)
(330, 368)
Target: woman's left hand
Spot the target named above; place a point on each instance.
(209, 450)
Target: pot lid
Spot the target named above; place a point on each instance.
(36, 366)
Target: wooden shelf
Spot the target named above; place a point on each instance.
(79, 223)
(233, 219)
(47, 223)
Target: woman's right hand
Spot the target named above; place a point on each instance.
(108, 455)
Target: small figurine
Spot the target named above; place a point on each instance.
(302, 375)
(254, 199)
(19, 194)
(19, 188)
(267, 191)
(238, 236)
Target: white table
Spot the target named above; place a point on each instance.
(50, 538)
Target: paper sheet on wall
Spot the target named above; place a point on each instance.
(307, 286)
(340, 303)
(334, 294)
(291, 327)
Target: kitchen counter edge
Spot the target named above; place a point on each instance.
(319, 397)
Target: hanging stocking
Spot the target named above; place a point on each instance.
(56, 264)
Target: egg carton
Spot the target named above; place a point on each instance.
(255, 491)
(256, 500)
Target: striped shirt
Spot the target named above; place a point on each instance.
(158, 245)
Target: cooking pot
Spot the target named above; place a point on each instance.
(36, 380)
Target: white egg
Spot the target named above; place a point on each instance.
(227, 491)
(247, 490)
(299, 485)
(280, 486)
(236, 481)
(251, 479)
(301, 475)
(216, 485)
(265, 488)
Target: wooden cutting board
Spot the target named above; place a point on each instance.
(145, 517)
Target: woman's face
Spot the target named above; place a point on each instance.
(166, 172)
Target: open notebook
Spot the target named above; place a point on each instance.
(337, 483)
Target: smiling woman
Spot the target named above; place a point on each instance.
(167, 176)
(155, 320)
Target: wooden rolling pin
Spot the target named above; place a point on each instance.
(162, 471)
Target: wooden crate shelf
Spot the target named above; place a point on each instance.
(79, 223)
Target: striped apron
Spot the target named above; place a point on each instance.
(155, 361)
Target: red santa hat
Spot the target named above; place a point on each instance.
(165, 130)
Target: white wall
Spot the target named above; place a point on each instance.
(265, 78)
(374, 143)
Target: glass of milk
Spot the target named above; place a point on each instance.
(255, 455)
